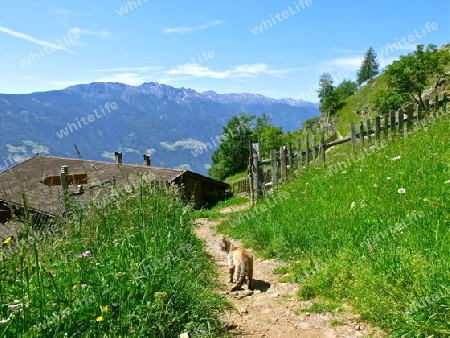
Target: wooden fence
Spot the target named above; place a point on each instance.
(312, 149)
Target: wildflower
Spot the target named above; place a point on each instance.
(352, 205)
(83, 286)
(344, 172)
(84, 254)
(160, 295)
(388, 178)
(14, 307)
(120, 274)
(99, 319)
(115, 241)
(104, 308)
(4, 321)
(395, 158)
(447, 182)
(401, 191)
(6, 241)
(375, 185)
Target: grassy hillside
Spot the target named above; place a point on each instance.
(372, 233)
(131, 266)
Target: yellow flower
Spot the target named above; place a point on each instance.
(6, 241)
(105, 308)
(99, 319)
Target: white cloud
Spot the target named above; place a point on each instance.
(132, 79)
(182, 30)
(126, 69)
(346, 63)
(135, 76)
(34, 40)
(183, 144)
(184, 166)
(103, 34)
(240, 71)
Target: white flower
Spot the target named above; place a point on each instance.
(352, 205)
(375, 185)
(395, 158)
(447, 182)
(401, 191)
(14, 307)
(344, 172)
(388, 178)
(4, 321)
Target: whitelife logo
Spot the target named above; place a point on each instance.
(71, 127)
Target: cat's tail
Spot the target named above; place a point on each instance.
(241, 278)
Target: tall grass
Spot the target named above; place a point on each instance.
(375, 235)
(130, 265)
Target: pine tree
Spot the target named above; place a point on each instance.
(369, 67)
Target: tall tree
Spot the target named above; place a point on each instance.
(232, 156)
(327, 94)
(414, 72)
(385, 100)
(345, 89)
(369, 67)
(271, 137)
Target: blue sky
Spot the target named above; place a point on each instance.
(274, 48)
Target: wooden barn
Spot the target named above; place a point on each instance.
(41, 180)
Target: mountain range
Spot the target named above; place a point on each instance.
(173, 124)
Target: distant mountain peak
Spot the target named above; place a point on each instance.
(162, 90)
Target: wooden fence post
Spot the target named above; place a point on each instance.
(353, 130)
(256, 176)
(393, 122)
(314, 150)
(409, 121)
(273, 166)
(322, 145)
(289, 158)
(64, 187)
(283, 164)
(299, 155)
(377, 129)
(401, 119)
(307, 152)
(361, 134)
(386, 125)
(369, 135)
(419, 113)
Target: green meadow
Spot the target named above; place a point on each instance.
(370, 229)
(130, 265)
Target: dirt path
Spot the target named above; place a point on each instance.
(270, 311)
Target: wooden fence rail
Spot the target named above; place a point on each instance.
(369, 134)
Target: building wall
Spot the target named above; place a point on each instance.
(201, 192)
